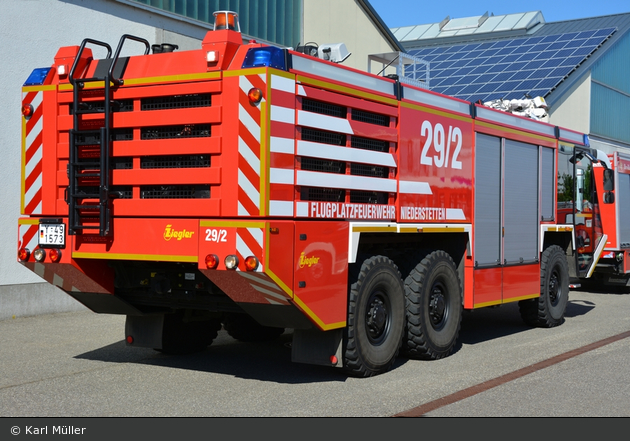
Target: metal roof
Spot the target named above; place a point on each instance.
(461, 29)
(488, 57)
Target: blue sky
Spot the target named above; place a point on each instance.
(397, 13)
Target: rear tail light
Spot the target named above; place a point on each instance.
(55, 255)
(251, 263)
(24, 254)
(212, 261)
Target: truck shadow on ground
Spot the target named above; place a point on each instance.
(271, 361)
(496, 322)
(264, 361)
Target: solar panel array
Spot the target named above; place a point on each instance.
(509, 69)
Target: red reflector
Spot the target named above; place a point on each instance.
(212, 261)
(333, 359)
(251, 263)
(55, 255)
(27, 110)
(129, 339)
(24, 254)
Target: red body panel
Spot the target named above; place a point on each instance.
(435, 157)
(321, 270)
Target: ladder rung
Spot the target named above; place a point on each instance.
(83, 132)
(86, 227)
(85, 164)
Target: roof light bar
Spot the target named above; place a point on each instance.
(268, 56)
(37, 77)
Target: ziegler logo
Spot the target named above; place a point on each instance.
(170, 233)
(308, 261)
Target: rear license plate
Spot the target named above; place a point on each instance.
(52, 235)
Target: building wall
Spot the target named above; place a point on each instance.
(277, 21)
(573, 110)
(610, 99)
(334, 21)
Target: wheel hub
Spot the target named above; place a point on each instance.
(437, 307)
(554, 288)
(377, 319)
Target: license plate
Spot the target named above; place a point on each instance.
(52, 235)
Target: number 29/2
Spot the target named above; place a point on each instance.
(216, 235)
(438, 145)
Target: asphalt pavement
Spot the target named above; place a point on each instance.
(78, 365)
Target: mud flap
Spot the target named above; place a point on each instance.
(146, 330)
(317, 347)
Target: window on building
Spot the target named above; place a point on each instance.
(276, 21)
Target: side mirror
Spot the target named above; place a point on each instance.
(609, 197)
(579, 242)
(609, 180)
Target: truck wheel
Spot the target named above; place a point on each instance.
(434, 307)
(183, 336)
(244, 328)
(376, 316)
(547, 310)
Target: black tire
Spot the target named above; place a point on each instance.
(244, 328)
(433, 293)
(548, 310)
(376, 316)
(182, 334)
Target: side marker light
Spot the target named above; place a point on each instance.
(255, 95)
(27, 110)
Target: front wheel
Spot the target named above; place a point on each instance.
(548, 310)
(376, 316)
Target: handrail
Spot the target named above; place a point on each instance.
(119, 81)
(78, 57)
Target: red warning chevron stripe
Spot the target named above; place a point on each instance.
(32, 142)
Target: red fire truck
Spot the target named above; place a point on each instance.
(612, 216)
(260, 189)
